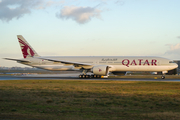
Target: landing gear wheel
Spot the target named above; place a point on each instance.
(98, 76)
(87, 76)
(162, 77)
(80, 76)
(83, 76)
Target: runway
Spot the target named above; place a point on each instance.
(75, 77)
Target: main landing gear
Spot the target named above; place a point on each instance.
(89, 76)
(84, 75)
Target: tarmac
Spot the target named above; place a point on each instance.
(173, 78)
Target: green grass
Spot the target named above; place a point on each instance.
(86, 99)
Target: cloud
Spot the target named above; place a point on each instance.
(80, 14)
(120, 2)
(174, 49)
(10, 9)
(178, 37)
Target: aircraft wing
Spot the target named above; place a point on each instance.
(68, 62)
(18, 60)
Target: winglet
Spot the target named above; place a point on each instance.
(26, 48)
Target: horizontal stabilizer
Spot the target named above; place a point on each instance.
(18, 60)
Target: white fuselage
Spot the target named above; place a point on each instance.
(98, 65)
(116, 63)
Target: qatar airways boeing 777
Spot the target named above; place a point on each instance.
(99, 66)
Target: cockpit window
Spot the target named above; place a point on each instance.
(171, 61)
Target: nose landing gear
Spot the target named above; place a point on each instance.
(162, 77)
(163, 74)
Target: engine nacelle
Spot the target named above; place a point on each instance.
(101, 70)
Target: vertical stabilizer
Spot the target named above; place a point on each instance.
(26, 48)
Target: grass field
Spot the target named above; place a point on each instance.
(91, 100)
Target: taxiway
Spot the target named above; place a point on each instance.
(75, 77)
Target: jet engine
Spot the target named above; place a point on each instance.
(100, 70)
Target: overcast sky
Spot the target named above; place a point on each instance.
(90, 28)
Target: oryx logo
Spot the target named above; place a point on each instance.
(26, 50)
(99, 70)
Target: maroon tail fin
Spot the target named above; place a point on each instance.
(27, 50)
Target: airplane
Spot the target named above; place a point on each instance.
(98, 66)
